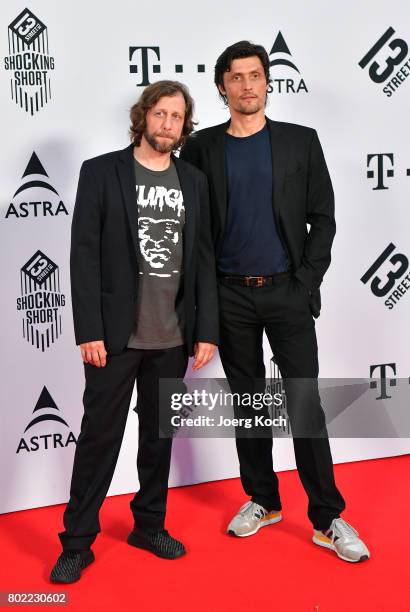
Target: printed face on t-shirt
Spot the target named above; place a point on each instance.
(158, 238)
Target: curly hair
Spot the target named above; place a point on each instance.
(149, 98)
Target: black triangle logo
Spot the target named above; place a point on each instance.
(34, 166)
(280, 46)
(45, 401)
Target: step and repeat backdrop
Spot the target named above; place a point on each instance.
(69, 74)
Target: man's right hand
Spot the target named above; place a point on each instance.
(94, 352)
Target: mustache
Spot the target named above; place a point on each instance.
(162, 135)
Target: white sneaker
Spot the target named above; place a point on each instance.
(250, 518)
(343, 539)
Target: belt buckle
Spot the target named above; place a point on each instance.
(258, 281)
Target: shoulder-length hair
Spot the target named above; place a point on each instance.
(149, 97)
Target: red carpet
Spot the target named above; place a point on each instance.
(278, 569)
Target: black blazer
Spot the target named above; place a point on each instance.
(104, 243)
(302, 194)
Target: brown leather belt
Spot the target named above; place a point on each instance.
(252, 281)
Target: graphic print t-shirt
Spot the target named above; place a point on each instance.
(161, 218)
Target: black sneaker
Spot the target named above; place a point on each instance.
(159, 542)
(69, 565)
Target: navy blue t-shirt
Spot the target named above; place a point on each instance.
(251, 244)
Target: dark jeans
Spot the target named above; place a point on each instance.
(282, 310)
(106, 399)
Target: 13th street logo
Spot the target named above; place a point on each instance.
(385, 284)
(30, 198)
(44, 413)
(29, 62)
(280, 56)
(388, 60)
(40, 301)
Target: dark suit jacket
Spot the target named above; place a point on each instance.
(104, 242)
(302, 194)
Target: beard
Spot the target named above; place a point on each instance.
(246, 107)
(249, 108)
(162, 147)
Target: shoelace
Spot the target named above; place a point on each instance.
(340, 528)
(252, 509)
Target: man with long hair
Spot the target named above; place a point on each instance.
(268, 180)
(144, 298)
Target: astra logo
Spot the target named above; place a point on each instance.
(40, 301)
(144, 61)
(281, 61)
(29, 62)
(30, 200)
(44, 411)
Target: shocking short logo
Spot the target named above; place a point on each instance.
(274, 386)
(45, 410)
(41, 300)
(35, 197)
(29, 62)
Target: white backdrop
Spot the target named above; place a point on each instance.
(92, 85)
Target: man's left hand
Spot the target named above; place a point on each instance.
(203, 352)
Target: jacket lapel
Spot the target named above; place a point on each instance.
(218, 171)
(126, 175)
(189, 196)
(280, 153)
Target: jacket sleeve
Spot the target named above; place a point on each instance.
(321, 217)
(85, 259)
(207, 316)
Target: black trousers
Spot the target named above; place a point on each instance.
(282, 310)
(106, 400)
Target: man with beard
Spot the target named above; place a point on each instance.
(136, 319)
(267, 181)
